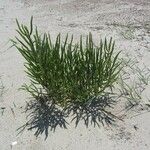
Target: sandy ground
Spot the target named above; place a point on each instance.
(127, 21)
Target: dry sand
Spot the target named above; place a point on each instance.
(127, 21)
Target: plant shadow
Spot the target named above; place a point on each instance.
(94, 112)
(45, 116)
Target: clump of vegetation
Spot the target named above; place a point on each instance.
(64, 71)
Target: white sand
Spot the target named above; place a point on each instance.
(75, 17)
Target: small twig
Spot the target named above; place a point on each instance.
(12, 112)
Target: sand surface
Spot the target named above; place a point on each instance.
(127, 21)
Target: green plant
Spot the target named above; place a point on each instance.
(128, 33)
(63, 71)
(143, 76)
(129, 86)
(131, 93)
